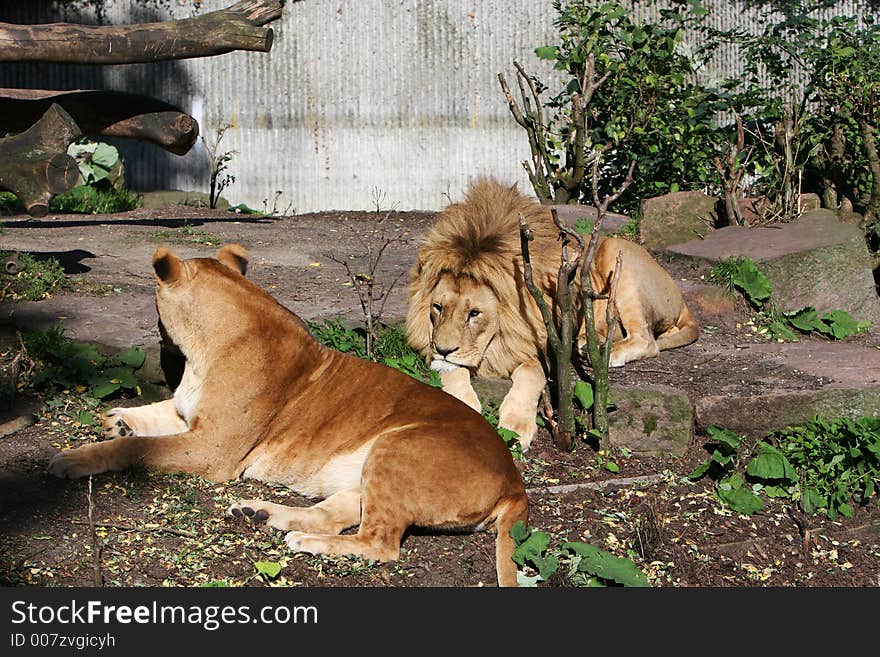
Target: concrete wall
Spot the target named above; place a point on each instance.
(356, 98)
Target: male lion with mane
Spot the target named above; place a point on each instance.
(471, 313)
(260, 398)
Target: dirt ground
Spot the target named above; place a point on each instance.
(154, 529)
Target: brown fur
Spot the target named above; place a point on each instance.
(469, 306)
(260, 398)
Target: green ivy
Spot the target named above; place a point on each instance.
(586, 564)
(744, 275)
(826, 466)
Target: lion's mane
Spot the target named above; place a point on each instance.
(479, 238)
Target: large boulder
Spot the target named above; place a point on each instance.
(813, 261)
(651, 420)
(675, 218)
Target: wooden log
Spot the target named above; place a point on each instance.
(103, 114)
(238, 27)
(35, 164)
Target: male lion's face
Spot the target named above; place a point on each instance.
(464, 319)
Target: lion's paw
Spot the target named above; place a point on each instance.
(251, 510)
(113, 424)
(525, 427)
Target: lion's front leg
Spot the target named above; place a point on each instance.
(457, 382)
(520, 406)
(159, 419)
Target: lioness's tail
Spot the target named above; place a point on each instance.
(507, 512)
(685, 331)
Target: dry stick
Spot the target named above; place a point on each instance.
(731, 172)
(96, 549)
(537, 175)
(599, 354)
(129, 528)
(559, 339)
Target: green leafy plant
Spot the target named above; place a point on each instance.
(97, 161)
(34, 280)
(825, 466)
(267, 570)
(586, 564)
(64, 364)
(189, 234)
(510, 438)
(743, 274)
(629, 93)
(390, 348)
(722, 468)
(87, 199)
(102, 181)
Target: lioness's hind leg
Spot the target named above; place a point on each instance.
(159, 419)
(383, 519)
(338, 512)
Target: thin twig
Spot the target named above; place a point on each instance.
(129, 528)
(96, 549)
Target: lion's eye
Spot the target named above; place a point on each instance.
(474, 313)
(436, 307)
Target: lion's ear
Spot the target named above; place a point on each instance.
(166, 265)
(234, 256)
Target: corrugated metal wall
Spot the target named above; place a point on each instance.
(399, 96)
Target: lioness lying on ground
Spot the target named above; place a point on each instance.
(470, 312)
(260, 398)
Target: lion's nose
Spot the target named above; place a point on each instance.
(444, 351)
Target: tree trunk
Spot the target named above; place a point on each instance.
(238, 27)
(872, 212)
(35, 164)
(104, 114)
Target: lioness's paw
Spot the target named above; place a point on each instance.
(71, 465)
(249, 509)
(113, 424)
(297, 541)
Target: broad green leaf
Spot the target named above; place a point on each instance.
(700, 470)
(519, 532)
(86, 418)
(606, 565)
(731, 491)
(805, 319)
(547, 52)
(133, 357)
(611, 466)
(583, 392)
(546, 566)
(725, 437)
(105, 155)
(770, 463)
(841, 322)
(780, 331)
(752, 281)
(267, 569)
(812, 500)
(121, 375)
(77, 150)
(104, 389)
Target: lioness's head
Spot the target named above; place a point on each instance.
(174, 298)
